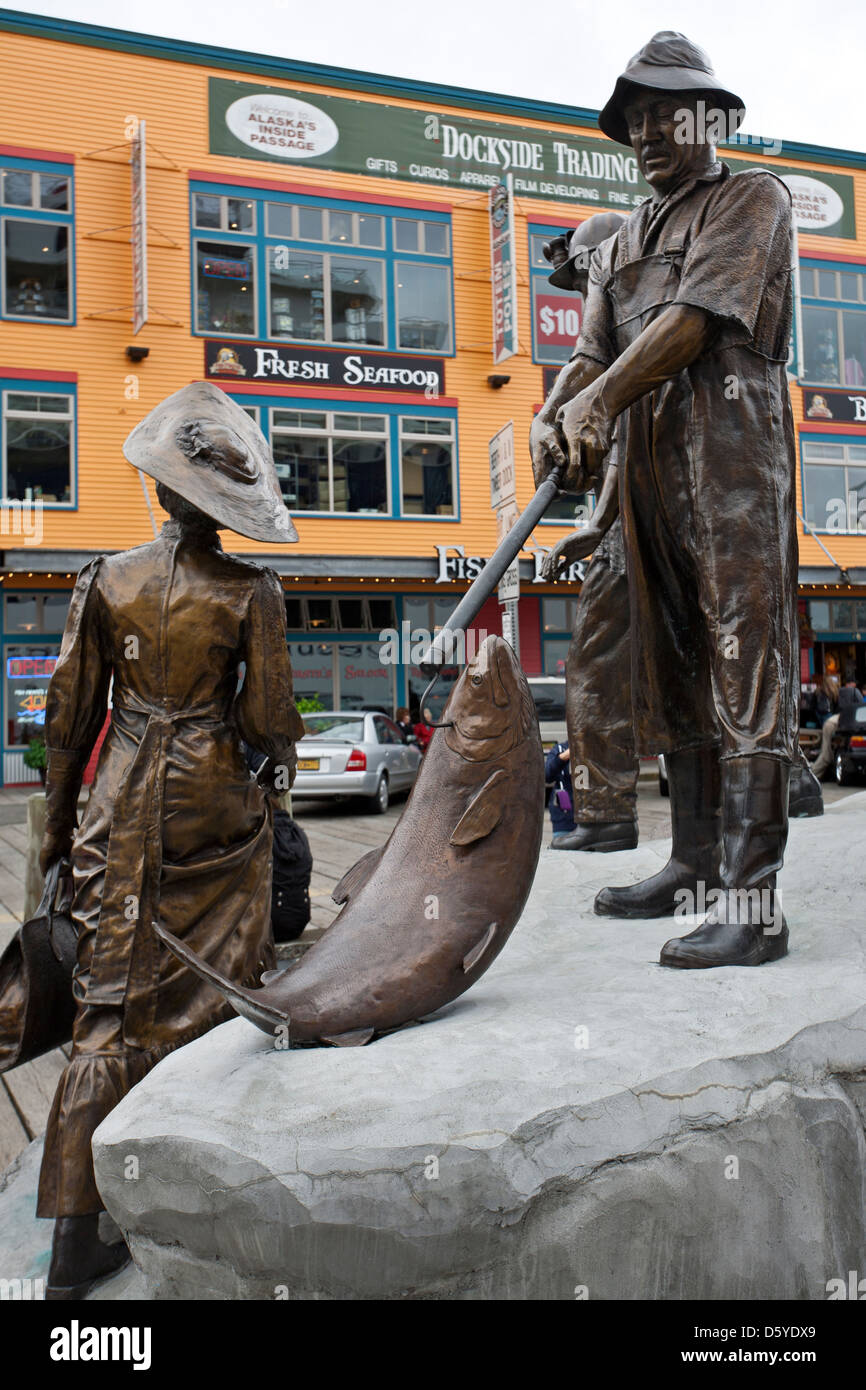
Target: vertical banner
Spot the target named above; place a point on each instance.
(503, 266)
(138, 166)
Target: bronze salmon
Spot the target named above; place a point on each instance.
(425, 915)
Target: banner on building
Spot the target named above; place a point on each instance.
(309, 366)
(503, 269)
(138, 166)
(847, 406)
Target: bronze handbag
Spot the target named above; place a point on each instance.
(37, 1007)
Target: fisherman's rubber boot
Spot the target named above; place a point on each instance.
(79, 1258)
(601, 836)
(805, 797)
(746, 926)
(696, 825)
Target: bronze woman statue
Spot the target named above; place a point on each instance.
(175, 828)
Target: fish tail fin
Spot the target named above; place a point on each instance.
(244, 1001)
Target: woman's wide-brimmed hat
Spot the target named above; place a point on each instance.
(202, 445)
(669, 63)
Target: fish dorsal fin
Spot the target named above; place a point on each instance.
(356, 1037)
(471, 959)
(355, 878)
(483, 813)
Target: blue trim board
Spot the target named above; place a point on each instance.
(33, 386)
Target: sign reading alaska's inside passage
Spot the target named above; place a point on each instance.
(402, 142)
(315, 366)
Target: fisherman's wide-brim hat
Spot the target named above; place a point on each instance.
(202, 445)
(586, 237)
(668, 63)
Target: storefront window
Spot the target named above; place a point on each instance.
(28, 672)
(357, 300)
(854, 338)
(821, 345)
(36, 270)
(38, 434)
(834, 485)
(36, 613)
(225, 287)
(427, 466)
(365, 681)
(555, 655)
(297, 295)
(331, 461)
(313, 671)
(423, 306)
(224, 214)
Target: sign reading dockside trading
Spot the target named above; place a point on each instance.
(138, 163)
(366, 371)
(503, 269)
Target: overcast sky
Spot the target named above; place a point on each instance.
(798, 67)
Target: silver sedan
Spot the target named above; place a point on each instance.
(354, 753)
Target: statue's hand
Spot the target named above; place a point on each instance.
(587, 428)
(573, 547)
(56, 844)
(546, 448)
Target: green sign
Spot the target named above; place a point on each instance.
(300, 129)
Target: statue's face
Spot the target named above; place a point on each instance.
(656, 130)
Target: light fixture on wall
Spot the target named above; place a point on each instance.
(136, 353)
(497, 380)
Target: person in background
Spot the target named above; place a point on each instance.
(849, 697)
(404, 724)
(826, 699)
(423, 730)
(557, 776)
(292, 864)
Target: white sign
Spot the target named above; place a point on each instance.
(503, 487)
(138, 165)
(509, 584)
(816, 204)
(282, 126)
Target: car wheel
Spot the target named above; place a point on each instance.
(379, 802)
(843, 776)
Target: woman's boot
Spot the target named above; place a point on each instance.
(746, 926)
(79, 1259)
(696, 824)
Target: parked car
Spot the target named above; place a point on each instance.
(548, 694)
(849, 746)
(354, 753)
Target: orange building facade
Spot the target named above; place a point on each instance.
(318, 242)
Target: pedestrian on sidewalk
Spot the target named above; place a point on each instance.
(849, 698)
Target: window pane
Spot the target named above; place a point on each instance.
(54, 192)
(820, 344)
(827, 284)
(427, 480)
(405, 235)
(416, 612)
(555, 657)
(22, 613)
(850, 284)
(360, 481)
(37, 278)
(55, 608)
(424, 306)
(18, 187)
(294, 613)
(823, 451)
(241, 215)
(436, 238)
(381, 614)
(339, 226)
(856, 455)
(854, 337)
(297, 298)
(554, 614)
(310, 224)
(321, 612)
(371, 229)
(251, 410)
(537, 243)
(28, 671)
(300, 419)
(367, 424)
(825, 497)
(357, 300)
(38, 459)
(279, 221)
(55, 404)
(207, 210)
(313, 671)
(302, 468)
(565, 507)
(351, 613)
(226, 287)
(365, 682)
(819, 614)
(416, 424)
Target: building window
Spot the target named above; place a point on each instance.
(38, 446)
(34, 613)
(834, 339)
(28, 672)
(342, 675)
(225, 288)
(556, 314)
(36, 216)
(426, 466)
(834, 487)
(331, 461)
(338, 614)
(313, 273)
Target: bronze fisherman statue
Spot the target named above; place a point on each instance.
(683, 349)
(175, 828)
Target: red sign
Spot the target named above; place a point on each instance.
(24, 667)
(557, 319)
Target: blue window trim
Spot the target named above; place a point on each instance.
(35, 386)
(393, 412)
(388, 255)
(549, 230)
(41, 166)
(859, 441)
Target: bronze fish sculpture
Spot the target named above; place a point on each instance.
(426, 914)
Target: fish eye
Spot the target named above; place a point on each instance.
(477, 678)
